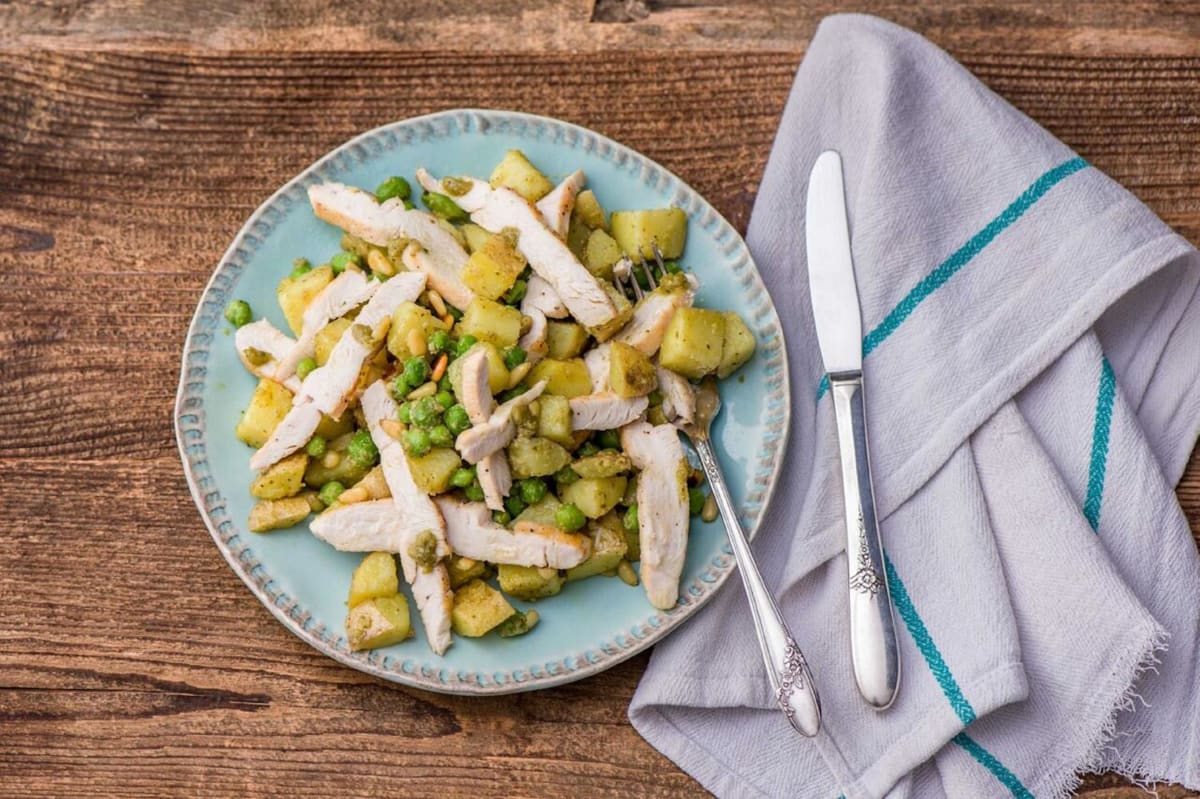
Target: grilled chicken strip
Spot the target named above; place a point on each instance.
(472, 534)
(476, 443)
(556, 206)
(662, 507)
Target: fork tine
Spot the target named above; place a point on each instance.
(624, 279)
(649, 273)
(658, 259)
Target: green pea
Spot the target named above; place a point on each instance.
(565, 476)
(586, 449)
(643, 281)
(330, 492)
(416, 371)
(463, 477)
(473, 492)
(696, 499)
(440, 436)
(300, 267)
(672, 267)
(438, 341)
(533, 490)
(408, 205)
(237, 313)
(343, 259)
(457, 419)
(394, 186)
(316, 447)
(501, 517)
(445, 384)
(405, 412)
(443, 207)
(426, 412)
(514, 357)
(416, 441)
(362, 450)
(515, 391)
(305, 366)
(630, 519)
(444, 398)
(517, 293)
(514, 504)
(400, 387)
(609, 439)
(569, 518)
(464, 345)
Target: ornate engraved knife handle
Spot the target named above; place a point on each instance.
(873, 648)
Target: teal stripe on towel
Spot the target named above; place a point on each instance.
(962, 256)
(989, 762)
(1101, 428)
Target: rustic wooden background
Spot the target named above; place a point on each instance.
(134, 139)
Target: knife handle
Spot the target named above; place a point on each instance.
(873, 649)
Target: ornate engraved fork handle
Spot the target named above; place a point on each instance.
(786, 667)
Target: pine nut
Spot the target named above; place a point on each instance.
(435, 301)
(709, 512)
(439, 368)
(380, 263)
(627, 574)
(427, 390)
(416, 342)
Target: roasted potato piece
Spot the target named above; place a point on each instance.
(490, 321)
(335, 465)
(606, 463)
(554, 419)
(329, 428)
(283, 479)
(375, 576)
(407, 318)
(594, 496)
(475, 236)
(567, 378)
(636, 231)
(295, 293)
(378, 622)
(601, 252)
(462, 570)
(630, 372)
(528, 582)
(533, 456)
(478, 609)
(268, 405)
(624, 314)
(577, 237)
(541, 512)
(272, 514)
(589, 210)
(432, 471)
(565, 339)
(608, 549)
(494, 267)
(694, 342)
(738, 345)
(497, 371)
(328, 337)
(515, 172)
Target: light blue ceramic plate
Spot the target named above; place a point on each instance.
(592, 624)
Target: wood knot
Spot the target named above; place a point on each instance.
(14, 239)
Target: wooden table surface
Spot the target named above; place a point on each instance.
(135, 138)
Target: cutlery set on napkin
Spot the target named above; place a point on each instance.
(1032, 336)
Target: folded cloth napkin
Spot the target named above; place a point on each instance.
(1032, 355)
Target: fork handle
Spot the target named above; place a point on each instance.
(786, 667)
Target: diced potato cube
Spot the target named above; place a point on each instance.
(478, 608)
(608, 549)
(589, 210)
(475, 236)
(529, 582)
(494, 267)
(601, 253)
(463, 570)
(594, 496)
(295, 293)
(490, 321)
(272, 514)
(694, 342)
(577, 237)
(328, 337)
(329, 428)
(344, 469)
(630, 373)
(624, 313)
(541, 512)
(432, 471)
(515, 172)
(375, 576)
(554, 419)
(268, 405)
(409, 317)
(497, 371)
(565, 339)
(281, 480)
(566, 378)
(738, 346)
(636, 231)
(606, 463)
(378, 622)
(535, 457)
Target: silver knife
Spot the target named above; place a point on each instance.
(873, 648)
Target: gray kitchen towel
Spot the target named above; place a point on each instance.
(1032, 355)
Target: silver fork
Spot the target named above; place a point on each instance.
(786, 667)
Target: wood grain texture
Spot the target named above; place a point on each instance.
(135, 138)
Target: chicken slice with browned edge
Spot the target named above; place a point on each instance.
(662, 499)
(476, 443)
(473, 534)
(495, 478)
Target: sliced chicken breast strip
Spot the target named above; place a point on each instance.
(263, 338)
(598, 362)
(348, 290)
(496, 209)
(556, 206)
(495, 478)
(605, 411)
(431, 589)
(534, 341)
(662, 507)
(472, 534)
(679, 399)
(374, 526)
(476, 443)
(293, 432)
(357, 212)
(541, 296)
(653, 313)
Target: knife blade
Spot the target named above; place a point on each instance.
(873, 648)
